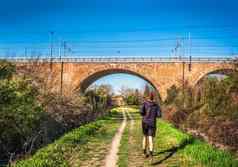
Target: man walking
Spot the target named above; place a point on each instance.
(150, 110)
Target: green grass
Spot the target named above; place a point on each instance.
(192, 151)
(78, 146)
(173, 148)
(88, 145)
(207, 155)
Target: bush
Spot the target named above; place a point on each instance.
(6, 69)
(216, 96)
(24, 127)
(210, 108)
(54, 154)
(20, 117)
(172, 93)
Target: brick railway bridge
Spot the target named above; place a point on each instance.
(70, 75)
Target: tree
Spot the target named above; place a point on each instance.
(147, 90)
(125, 91)
(99, 96)
(104, 90)
(20, 116)
(137, 100)
(131, 96)
(7, 70)
(172, 93)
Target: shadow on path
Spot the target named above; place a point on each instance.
(172, 151)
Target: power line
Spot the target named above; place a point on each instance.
(121, 46)
(120, 41)
(213, 27)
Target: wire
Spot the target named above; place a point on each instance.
(138, 29)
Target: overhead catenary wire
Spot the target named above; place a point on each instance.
(204, 28)
(160, 44)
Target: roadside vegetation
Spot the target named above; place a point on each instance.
(20, 113)
(209, 110)
(32, 116)
(83, 146)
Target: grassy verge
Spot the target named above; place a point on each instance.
(172, 148)
(185, 150)
(85, 145)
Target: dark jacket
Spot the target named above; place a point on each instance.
(150, 111)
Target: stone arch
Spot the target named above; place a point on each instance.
(93, 76)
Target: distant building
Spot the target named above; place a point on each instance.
(118, 100)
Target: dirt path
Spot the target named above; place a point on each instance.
(135, 156)
(131, 120)
(112, 157)
(92, 152)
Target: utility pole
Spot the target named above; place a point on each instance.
(181, 57)
(190, 56)
(51, 49)
(183, 84)
(62, 69)
(25, 52)
(178, 45)
(60, 45)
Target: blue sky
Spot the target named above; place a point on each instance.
(119, 28)
(107, 28)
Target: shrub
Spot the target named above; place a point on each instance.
(54, 154)
(20, 116)
(6, 69)
(210, 108)
(172, 93)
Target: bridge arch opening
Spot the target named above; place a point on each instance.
(98, 75)
(220, 74)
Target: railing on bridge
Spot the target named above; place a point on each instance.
(124, 59)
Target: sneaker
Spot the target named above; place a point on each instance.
(145, 153)
(151, 156)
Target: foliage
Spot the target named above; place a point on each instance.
(20, 116)
(191, 149)
(147, 90)
(134, 98)
(24, 95)
(172, 93)
(53, 154)
(99, 97)
(59, 152)
(131, 96)
(6, 69)
(210, 108)
(216, 96)
(207, 155)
